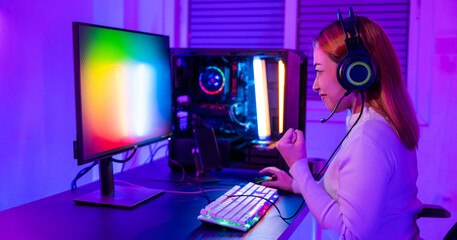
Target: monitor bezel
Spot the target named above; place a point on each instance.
(79, 148)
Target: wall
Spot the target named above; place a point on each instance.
(434, 93)
(37, 108)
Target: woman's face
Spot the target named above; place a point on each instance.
(326, 82)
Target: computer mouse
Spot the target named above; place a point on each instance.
(261, 179)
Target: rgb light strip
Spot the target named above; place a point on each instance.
(281, 90)
(261, 99)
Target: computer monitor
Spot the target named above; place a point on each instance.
(123, 101)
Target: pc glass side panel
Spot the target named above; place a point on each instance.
(123, 90)
(248, 96)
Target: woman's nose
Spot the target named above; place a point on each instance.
(316, 87)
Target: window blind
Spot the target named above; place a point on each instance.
(236, 24)
(392, 15)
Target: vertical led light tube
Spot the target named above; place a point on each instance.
(281, 87)
(261, 98)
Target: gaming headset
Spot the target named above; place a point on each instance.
(355, 71)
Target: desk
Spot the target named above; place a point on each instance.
(167, 216)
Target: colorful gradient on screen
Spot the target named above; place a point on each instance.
(125, 88)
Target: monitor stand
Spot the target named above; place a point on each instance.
(123, 196)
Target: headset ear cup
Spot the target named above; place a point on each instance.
(355, 72)
(341, 73)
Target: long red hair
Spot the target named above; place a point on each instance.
(388, 95)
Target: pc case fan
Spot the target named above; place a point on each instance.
(212, 80)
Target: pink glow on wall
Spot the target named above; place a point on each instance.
(2, 32)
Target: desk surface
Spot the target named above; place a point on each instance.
(167, 216)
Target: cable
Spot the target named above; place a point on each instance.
(150, 157)
(177, 182)
(198, 192)
(81, 173)
(87, 169)
(123, 164)
(181, 181)
(128, 183)
(125, 160)
(178, 192)
(234, 119)
(212, 190)
(201, 189)
(182, 169)
(283, 218)
(154, 180)
(299, 208)
(322, 169)
(361, 111)
(156, 150)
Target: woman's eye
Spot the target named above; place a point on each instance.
(317, 71)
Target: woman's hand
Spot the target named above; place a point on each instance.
(292, 146)
(283, 180)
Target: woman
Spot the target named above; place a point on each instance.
(369, 188)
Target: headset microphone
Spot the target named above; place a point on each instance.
(323, 120)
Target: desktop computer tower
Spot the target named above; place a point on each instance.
(250, 97)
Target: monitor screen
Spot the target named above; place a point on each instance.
(123, 90)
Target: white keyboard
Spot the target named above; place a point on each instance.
(243, 212)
